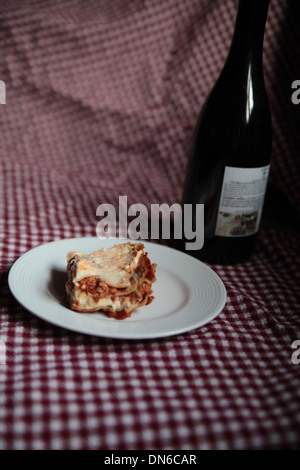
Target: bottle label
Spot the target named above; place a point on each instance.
(241, 202)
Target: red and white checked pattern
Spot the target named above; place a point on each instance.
(101, 101)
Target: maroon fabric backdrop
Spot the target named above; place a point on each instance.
(101, 100)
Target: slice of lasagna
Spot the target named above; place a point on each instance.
(116, 280)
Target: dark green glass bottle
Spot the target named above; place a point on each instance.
(229, 158)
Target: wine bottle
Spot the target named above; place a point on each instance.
(229, 158)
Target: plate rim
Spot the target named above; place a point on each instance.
(126, 336)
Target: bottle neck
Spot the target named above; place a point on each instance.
(247, 42)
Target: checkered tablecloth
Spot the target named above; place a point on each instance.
(101, 100)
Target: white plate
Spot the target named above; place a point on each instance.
(188, 293)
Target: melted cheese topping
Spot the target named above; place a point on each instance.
(117, 266)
